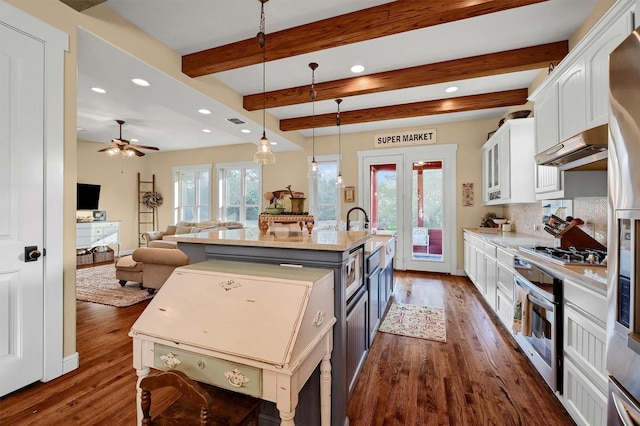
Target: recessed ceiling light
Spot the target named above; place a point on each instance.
(451, 89)
(140, 82)
(204, 111)
(356, 69)
(206, 131)
(135, 140)
(245, 131)
(273, 143)
(98, 90)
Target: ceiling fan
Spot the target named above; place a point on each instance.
(124, 147)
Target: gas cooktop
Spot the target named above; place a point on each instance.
(569, 256)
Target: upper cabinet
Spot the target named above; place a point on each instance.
(575, 96)
(505, 157)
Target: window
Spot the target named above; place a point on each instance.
(324, 195)
(239, 192)
(192, 193)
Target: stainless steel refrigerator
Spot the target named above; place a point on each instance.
(623, 321)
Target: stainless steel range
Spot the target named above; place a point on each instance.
(569, 256)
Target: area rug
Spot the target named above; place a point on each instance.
(415, 321)
(99, 285)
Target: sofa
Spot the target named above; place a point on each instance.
(150, 266)
(156, 238)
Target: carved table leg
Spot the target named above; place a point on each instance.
(325, 390)
(264, 226)
(142, 373)
(310, 226)
(286, 419)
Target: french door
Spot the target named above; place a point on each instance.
(411, 191)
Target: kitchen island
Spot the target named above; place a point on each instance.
(340, 251)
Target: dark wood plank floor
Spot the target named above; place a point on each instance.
(478, 377)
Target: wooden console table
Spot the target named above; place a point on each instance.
(303, 220)
(251, 328)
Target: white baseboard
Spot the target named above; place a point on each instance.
(70, 363)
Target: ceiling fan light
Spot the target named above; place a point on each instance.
(129, 153)
(113, 151)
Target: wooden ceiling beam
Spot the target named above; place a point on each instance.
(524, 59)
(380, 21)
(416, 109)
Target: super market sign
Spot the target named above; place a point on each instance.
(420, 137)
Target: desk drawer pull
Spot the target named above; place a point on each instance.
(170, 360)
(236, 378)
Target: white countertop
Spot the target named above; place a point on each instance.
(281, 237)
(594, 276)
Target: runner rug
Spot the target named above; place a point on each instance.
(415, 321)
(98, 284)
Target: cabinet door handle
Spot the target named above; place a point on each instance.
(236, 378)
(170, 360)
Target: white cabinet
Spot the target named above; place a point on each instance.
(572, 112)
(508, 165)
(94, 234)
(481, 266)
(574, 97)
(504, 283)
(490, 274)
(585, 374)
(597, 66)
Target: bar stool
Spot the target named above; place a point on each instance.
(199, 403)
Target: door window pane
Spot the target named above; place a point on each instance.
(427, 206)
(384, 205)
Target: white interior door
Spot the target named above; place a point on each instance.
(22, 212)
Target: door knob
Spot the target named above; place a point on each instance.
(31, 254)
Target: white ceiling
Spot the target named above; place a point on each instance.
(163, 114)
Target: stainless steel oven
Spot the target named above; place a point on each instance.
(538, 296)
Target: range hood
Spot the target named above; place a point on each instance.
(586, 150)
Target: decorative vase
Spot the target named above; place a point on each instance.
(297, 205)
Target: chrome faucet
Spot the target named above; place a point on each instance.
(366, 218)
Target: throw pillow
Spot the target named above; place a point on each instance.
(183, 230)
(171, 230)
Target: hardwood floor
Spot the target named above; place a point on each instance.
(478, 377)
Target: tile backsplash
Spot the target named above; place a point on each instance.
(593, 211)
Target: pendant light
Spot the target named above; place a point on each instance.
(313, 166)
(263, 155)
(339, 180)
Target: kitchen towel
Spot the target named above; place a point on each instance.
(522, 313)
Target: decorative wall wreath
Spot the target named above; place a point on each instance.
(152, 199)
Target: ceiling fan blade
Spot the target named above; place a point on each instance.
(107, 148)
(145, 147)
(138, 153)
(120, 141)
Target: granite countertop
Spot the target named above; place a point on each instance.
(593, 276)
(280, 237)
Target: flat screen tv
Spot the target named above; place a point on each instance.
(88, 196)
